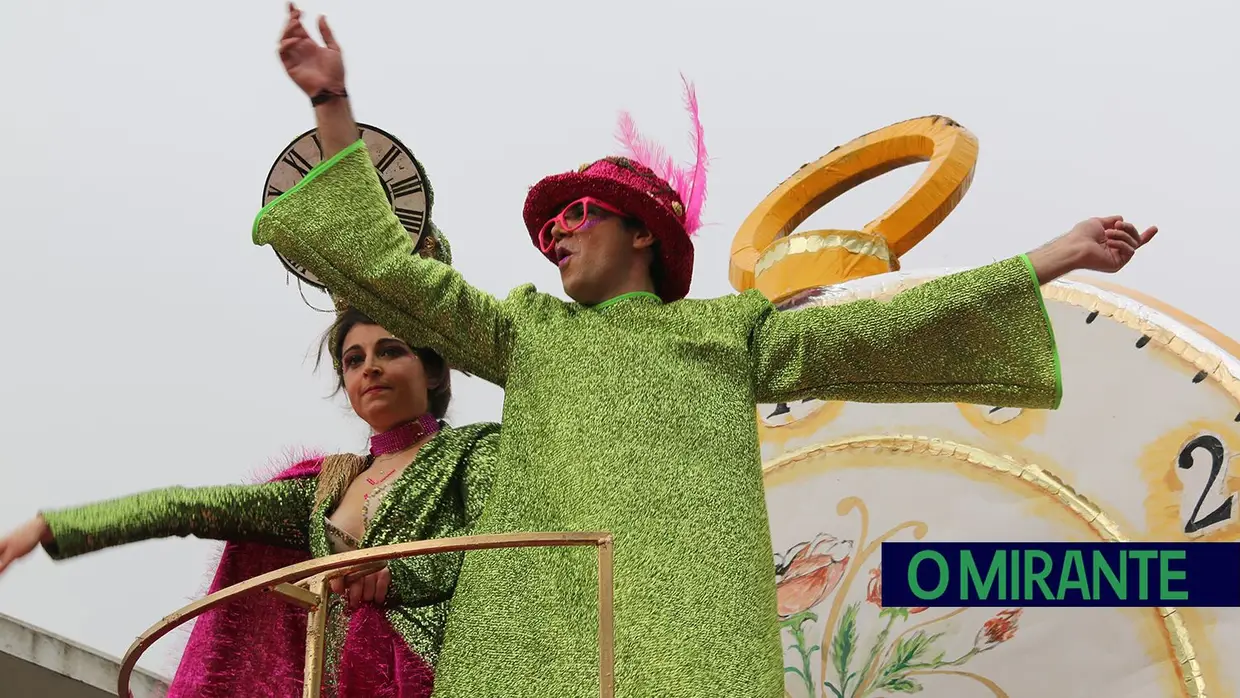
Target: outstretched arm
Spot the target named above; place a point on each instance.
(337, 222)
(277, 513)
(981, 336)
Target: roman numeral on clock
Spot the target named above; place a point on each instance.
(388, 158)
(407, 186)
(297, 162)
(409, 218)
(272, 191)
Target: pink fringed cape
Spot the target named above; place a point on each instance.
(255, 647)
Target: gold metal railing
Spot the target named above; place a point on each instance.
(306, 584)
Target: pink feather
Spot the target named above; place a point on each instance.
(689, 183)
(642, 150)
(695, 196)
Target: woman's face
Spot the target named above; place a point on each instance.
(384, 378)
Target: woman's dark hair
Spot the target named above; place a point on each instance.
(438, 374)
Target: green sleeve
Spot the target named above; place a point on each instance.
(337, 222)
(429, 578)
(478, 473)
(981, 337)
(277, 513)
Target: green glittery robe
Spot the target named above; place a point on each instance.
(637, 417)
(441, 493)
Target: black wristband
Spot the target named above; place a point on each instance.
(325, 96)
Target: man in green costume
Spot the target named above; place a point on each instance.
(631, 409)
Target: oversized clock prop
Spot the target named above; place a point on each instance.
(1144, 447)
(402, 176)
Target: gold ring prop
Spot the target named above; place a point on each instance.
(306, 585)
(767, 255)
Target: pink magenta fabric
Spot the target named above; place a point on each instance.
(255, 647)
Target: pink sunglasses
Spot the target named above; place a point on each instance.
(575, 217)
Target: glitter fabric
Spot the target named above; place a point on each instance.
(441, 493)
(637, 417)
(273, 513)
(434, 245)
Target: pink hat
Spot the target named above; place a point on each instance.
(645, 184)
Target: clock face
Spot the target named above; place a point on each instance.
(403, 179)
(784, 413)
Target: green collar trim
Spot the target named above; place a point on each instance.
(632, 295)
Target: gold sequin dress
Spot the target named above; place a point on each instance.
(638, 417)
(441, 493)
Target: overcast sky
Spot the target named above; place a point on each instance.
(149, 343)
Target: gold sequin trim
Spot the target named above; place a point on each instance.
(335, 475)
(1036, 476)
(814, 241)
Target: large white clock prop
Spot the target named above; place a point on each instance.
(1143, 448)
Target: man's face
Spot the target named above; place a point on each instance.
(600, 256)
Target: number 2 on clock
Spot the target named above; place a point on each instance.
(1199, 521)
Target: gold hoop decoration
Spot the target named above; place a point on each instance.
(306, 585)
(766, 254)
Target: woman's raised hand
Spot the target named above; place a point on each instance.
(315, 69)
(23, 540)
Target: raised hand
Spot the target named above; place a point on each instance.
(1107, 244)
(22, 541)
(317, 70)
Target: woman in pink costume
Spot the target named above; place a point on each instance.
(422, 479)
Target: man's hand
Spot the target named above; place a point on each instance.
(1098, 244)
(1106, 244)
(315, 69)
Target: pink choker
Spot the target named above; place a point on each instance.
(403, 436)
